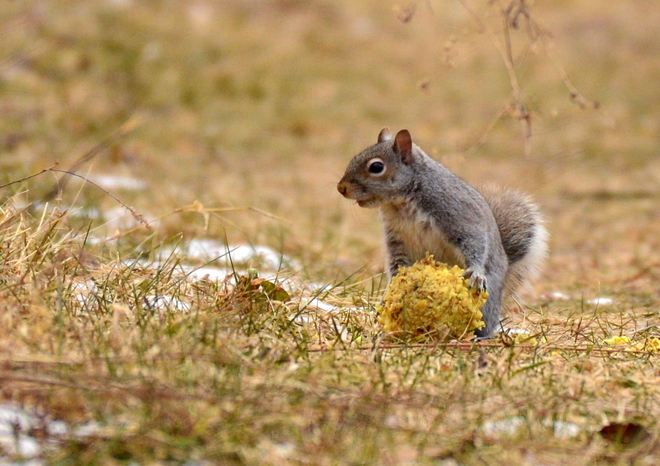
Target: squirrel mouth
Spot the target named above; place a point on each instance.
(366, 203)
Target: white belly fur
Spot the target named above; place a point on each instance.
(419, 235)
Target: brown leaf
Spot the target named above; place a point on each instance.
(627, 433)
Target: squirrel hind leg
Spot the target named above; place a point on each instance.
(491, 313)
(527, 269)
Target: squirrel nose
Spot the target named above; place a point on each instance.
(341, 187)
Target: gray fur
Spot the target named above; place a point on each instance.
(427, 210)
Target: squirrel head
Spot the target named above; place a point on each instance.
(381, 172)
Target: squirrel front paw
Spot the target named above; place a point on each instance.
(476, 280)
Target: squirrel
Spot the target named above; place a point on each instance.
(496, 235)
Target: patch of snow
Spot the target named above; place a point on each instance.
(202, 248)
(234, 256)
(15, 441)
(302, 318)
(511, 426)
(508, 426)
(317, 286)
(516, 331)
(163, 303)
(247, 254)
(344, 333)
(15, 417)
(283, 450)
(322, 305)
(601, 301)
(83, 292)
(21, 445)
(110, 182)
(117, 217)
(87, 429)
(564, 429)
(213, 274)
(57, 428)
(14, 423)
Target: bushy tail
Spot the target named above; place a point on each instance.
(523, 235)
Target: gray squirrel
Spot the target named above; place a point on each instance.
(496, 235)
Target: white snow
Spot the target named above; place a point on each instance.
(233, 256)
(322, 305)
(514, 425)
(602, 301)
(516, 331)
(206, 273)
(558, 296)
(14, 424)
(83, 292)
(163, 303)
(112, 182)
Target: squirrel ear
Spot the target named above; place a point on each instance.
(403, 146)
(384, 135)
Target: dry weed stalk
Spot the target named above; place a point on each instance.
(514, 15)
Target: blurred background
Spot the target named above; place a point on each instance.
(257, 107)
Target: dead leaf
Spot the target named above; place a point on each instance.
(627, 433)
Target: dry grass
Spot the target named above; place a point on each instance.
(237, 120)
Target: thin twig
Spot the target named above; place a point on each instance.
(127, 127)
(138, 216)
(45, 170)
(576, 97)
(520, 112)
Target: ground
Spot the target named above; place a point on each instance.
(141, 142)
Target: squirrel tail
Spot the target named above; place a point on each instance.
(522, 231)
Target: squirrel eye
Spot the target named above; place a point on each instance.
(376, 167)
